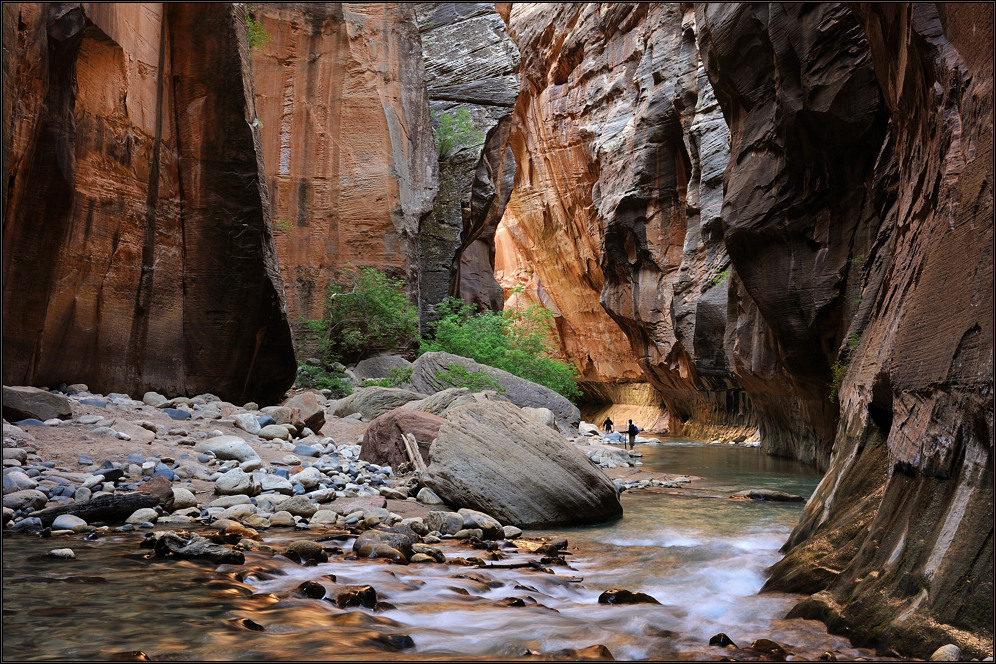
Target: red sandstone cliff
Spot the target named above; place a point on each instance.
(137, 252)
(347, 142)
(614, 222)
(853, 210)
(898, 538)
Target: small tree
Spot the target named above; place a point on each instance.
(256, 34)
(455, 131)
(366, 312)
(516, 341)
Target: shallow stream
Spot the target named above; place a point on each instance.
(700, 554)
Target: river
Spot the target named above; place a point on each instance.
(700, 554)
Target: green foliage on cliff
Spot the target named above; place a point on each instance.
(366, 312)
(837, 372)
(455, 131)
(517, 341)
(257, 36)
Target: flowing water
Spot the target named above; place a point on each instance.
(701, 555)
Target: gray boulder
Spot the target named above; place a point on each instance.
(379, 366)
(227, 448)
(372, 402)
(21, 403)
(236, 481)
(517, 390)
(490, 457)
(19, 500)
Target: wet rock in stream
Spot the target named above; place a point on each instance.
(617, 596)
(189, 545)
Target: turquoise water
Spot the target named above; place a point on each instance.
(701, 555)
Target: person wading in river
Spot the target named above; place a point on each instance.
(607, 425)
(632, 430)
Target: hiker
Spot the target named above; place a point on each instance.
(632, 430)
(607, 425)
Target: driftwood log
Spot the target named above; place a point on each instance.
(113, 507)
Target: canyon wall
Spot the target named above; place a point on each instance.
(470, 72)
(897, 541)
(813, 255)
(615, 220)
(347, 142)
(137, 252)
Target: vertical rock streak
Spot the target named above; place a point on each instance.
(108, 190)
(346, 140)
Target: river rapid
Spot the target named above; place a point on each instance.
(700, 554)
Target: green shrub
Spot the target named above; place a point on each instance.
(457, 375)
(721, 277)
(455, 131)
(366, 312)
(516, 341)
(399, 376)
(837, 373)
(257, 36)
(322, 378)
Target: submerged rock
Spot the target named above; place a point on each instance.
(615, 596)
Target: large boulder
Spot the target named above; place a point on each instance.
(372, 402)
(311, 412)
(21, 403)
(517, 390)
(437, 403)
(379, 366)
(383, 444)
(489, 456)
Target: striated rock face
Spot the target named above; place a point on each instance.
(470, 67)
(137, 253)
(616, 210)
(898, 538)
(807, 188)
(347, 142)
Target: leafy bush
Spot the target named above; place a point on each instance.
(257, 36)
(837, 372)
(399, 376)
(366, 312)
(454, 132)
(457, 375)
(321, 378)
(517, 341)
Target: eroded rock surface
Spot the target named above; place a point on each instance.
(489, 457)
(137, 252)
(347, 142)
(471, 66)
(614, 223)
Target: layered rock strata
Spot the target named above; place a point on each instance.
(347, 142)
(897, 541)
(137, 252)
(616, 209)
(470, 68)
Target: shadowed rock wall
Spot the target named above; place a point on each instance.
(136, 246)
(897, 541)
(470, 66)
(347, 142)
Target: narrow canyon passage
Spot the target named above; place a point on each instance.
(763, 232)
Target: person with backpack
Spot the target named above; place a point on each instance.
(607, 425)
(632, 430)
